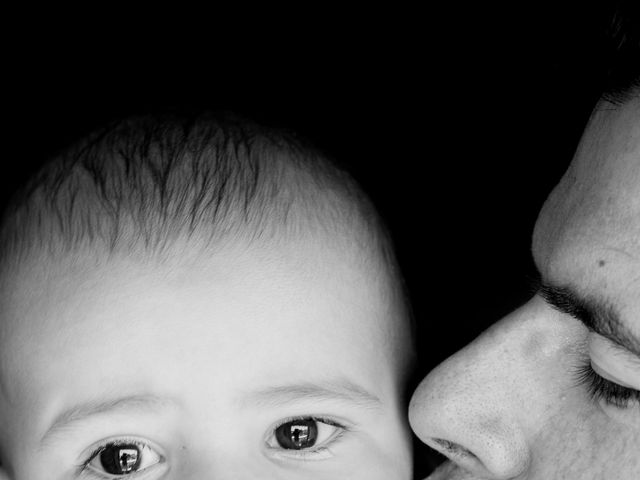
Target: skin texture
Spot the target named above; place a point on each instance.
(205, 333)
(511, 398)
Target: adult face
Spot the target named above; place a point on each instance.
(552, 390)
(258, 363)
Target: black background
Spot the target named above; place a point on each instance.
(458, 121)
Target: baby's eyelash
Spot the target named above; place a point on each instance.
(309, 453)
(602, 389)
(317, 418)
(94, 453)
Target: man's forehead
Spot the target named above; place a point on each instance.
(588, 232)
(604, 176)
(598, 198)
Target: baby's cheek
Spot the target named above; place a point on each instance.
(387, 455)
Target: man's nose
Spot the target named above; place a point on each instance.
(481, 406)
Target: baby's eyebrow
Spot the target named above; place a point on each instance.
(341, 390)
(80, 412)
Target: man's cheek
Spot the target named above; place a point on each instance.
(581, 442)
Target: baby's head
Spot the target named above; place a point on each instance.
(199, 299)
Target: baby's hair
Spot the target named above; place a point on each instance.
(163, 189)
(147, 184)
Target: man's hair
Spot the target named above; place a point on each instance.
(622, 53)
(146, 184)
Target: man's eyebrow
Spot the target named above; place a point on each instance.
(81, 412)
(341, 390)
(598, 316)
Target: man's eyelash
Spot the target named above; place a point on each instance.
(602, 389)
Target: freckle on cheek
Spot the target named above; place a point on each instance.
(601, 263)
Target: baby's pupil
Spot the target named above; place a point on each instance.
(297, 435)
(120, 459)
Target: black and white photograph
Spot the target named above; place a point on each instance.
(381, 243)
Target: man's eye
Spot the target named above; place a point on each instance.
(121, 458)
(602, 389)
(308, 434)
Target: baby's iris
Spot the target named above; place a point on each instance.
(120, 459)
(297, 434)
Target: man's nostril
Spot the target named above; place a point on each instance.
(452, 448)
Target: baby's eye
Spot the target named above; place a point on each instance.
(122, 457)
(309, 434)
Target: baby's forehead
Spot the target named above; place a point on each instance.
(41, 290)
(297, 310)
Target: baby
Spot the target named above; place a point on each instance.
(199, 299)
